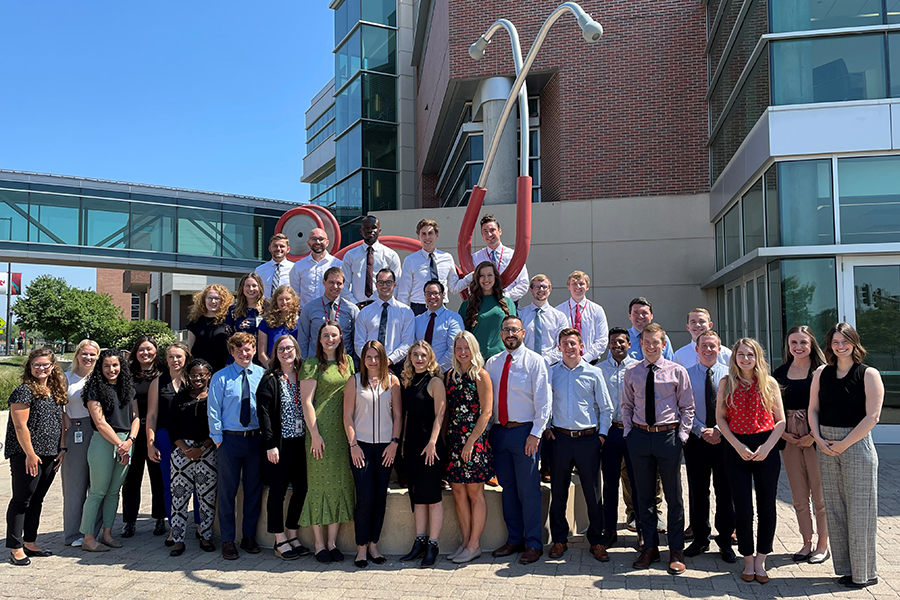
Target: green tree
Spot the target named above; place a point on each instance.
(135, 329)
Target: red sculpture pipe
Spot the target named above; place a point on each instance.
(467, 229)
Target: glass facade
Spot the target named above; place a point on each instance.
(801, 208)
(805, 15)
(869, 199)
(753, 216)
(877, 300)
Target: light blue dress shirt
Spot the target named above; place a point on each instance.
(446, 325)
(636, 353)
(314, 316)
(697, 373)
(614, 376)
(580, 398)
(224, 401)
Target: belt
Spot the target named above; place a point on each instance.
(658, 428)
(618, 424)
(250, 433)
(514, 424)
(364, 303)
(575, 434)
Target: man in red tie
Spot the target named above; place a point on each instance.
(520, 415)
(586, 317)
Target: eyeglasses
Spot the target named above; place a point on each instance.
(385, 283)
(432, 294)
(541, 288)
(512, 330)
(285, 350)
(42, 366)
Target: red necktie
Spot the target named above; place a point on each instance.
(577, 323)
(429, 331)
(504, 412)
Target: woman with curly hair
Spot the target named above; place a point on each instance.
(109, 397)
(424, 403)
(249, 304)
(485, 309)
(280, 318)
(208, 332)
(35, 447)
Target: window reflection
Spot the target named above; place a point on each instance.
(54, 219)
(870, 199)
(105, 222)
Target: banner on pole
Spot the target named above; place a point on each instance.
(13, 287)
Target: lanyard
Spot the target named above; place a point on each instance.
(499, 258)
(572, 316)
(337, 310)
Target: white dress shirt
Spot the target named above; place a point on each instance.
(267, 270)
(519, 287)
(400, 333)
(614, 376)
(417, 272)
(528, 395)
(552, 322)
(686, 356)
(354, 267)
(307, 275)
(446, 325)
(594, 329)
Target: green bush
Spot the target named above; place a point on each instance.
(10, 378)
(135, 329)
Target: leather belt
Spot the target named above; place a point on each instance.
(618, 424)
(364, 304)
(658, 428)
(575, 434)
(514, 424)
(250, 433)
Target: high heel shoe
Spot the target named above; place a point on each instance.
(289, 554)
(431, 555)
(418, 550)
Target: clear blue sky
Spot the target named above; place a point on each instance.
(202, 95)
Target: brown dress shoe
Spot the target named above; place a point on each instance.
(600, 552)
(507, 549)
(648, 556)
(229, 551)
(493, 482)
(676, 562)
(558, 549)
(689, 533)
(530, 555)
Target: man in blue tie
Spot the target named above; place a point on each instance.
(437, 325)
(234, 428)
(387, 320)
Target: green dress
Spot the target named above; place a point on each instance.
(487, 330)
(331, 494)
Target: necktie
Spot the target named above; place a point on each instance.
(494, 259)
(504, 411)
(276, 277)
(429, 331)
(433, 266)
(650, 397)
(331, 314)
(710, 399)
(382, 326)
(245, 399)
(538, 333)
(577, 321)
(370, 271)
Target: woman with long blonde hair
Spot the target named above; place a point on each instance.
(208, 332)
(469, 462)
(751, 418)
(279, 318)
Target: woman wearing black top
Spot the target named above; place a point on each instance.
(109, 397)
(283, 435)
(144, 370)
(208, 332)
(844, 405)
(35, 448)
(194, 462)
(802, 356)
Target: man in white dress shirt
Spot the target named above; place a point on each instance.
(520, 416)
(699, 322)
(542, 322)
(426, 264)
(362, 263)
(500, 255)
(388, 321)
(585, 316)
(276, 272)
(308, 273)
(437, 325)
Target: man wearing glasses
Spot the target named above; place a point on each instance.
(542, 322)
(437, 325)
(387, 320)
(308, 274)
(520, 414)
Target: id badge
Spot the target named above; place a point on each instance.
(298, 425)
(79, 437)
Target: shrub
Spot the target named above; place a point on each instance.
(135, 329)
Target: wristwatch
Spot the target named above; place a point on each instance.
(131, 439)
(396, 440)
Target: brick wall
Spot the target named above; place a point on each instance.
(109, 281)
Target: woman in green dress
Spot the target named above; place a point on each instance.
(485, 309)
(331, 495)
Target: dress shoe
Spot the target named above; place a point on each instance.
(207, 546)
(631, 524)
(360, 564)
(467, 556)
(178, 549)
(249, 545)
(323, 557)
(111, 542)
(545, 479)
(676, 562)
(336, 555)
(493, 482)
(229, 551)
(762, 578)
(845, 579)
(128, 530)
(169, 542)
(530, 555)
(37, 553)
(377, 560)
(818, 558)
(727, 555)
(689, 533)
(456, 552)
(696, 549)
(508, 549)
(600, 553)
(748, 577)
(558, 549)
(801, 556)
(431, 555)
(858, 586)
(159, 528)
(417, 551)
(19, 562)
(648, 556)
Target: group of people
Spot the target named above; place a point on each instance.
(324, 375)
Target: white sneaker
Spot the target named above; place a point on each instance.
(77, 543)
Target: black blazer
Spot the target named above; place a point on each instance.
(268, 410)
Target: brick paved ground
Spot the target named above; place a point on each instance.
(143, 569)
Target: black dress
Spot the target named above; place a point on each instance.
(425, 485)
(210, 341)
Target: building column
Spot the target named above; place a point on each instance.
(175, 316)
(490, 96)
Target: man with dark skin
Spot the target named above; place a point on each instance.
(363, 262)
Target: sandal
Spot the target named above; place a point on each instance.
(299, 548)
(289, 554)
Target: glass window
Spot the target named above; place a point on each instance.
(348, 200)
(199, 231)
(730, 329)
(738, 313)
(380, 191)
(877, 300)
(753, 218)
(383, 12)
(54, 219)
(346, 60)
(348, 157)
(730, 12)
(805, 212)
(869, 199)
(732, 234)
(13, 216)
(348, 106)
(720, 312)
(152, 227)
(242, 236)
(379, 97)
(776, 313)
(752, 26)
(893, 11)
(804, 15)
(894, 62)
(829, 69)
(809, 294)
(379, 147)
(773, 226)
(720, 244)
(762, 316)
(751, 309)
(346, 16)
(105, 222)
(379, 49)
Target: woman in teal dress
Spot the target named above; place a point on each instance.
(331, 495)
(485, 309)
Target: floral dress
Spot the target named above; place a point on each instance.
(464, 409)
